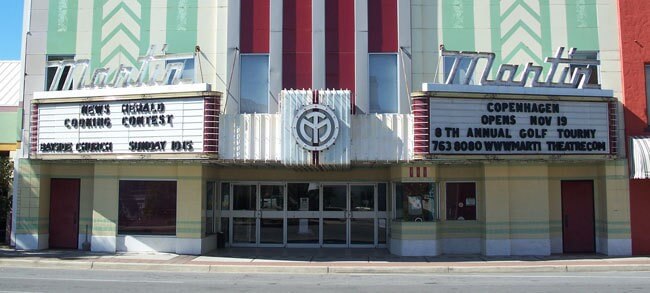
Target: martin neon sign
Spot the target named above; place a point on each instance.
(148, 74)
(578, 78)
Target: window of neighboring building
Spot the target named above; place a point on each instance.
(461, 201)
(647, 91)
(415, 202)
(51, 71)
(586, 55)
(382, 69)
(147, 207)
(254, 83)
(461, 72)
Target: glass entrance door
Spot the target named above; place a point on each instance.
(258, 215)
(349, 215)
(271, 220)
(244, 215)
(303, 215)
(363, 210)
(335, 215)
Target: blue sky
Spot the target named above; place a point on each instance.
(11, 28)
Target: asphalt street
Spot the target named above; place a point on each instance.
(57, 280)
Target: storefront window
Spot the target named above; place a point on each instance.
(254, 83)
(381, 197)
(383, 83)
(415, 202)
(461, 201)
(147, 207)
(225, 196)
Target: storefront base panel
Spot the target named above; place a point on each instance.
(404, 247)
(167, 244)
(82, 240)
(556, 244)
(103, 244)
(32, 241)
(530, 247)
(614, 247)
(137, 243)
(461, 246)
(494, 247)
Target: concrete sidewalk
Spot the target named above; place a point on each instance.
(316, 261)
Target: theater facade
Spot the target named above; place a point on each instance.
(422, 127)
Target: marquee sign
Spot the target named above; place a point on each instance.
(151, 126)
(148, 73)
(575, 74)
(513, 127)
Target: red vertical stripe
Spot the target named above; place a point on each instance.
(417, 171)
(382, 26)
(410, 171)
(339, 44)
(296, 44)
(425, 171)
(254, 26)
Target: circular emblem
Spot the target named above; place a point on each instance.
(315, 127)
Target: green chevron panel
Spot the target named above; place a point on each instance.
(521, 31)
(121, 30)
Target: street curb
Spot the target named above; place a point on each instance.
(21, 263)
(389, 270)
(60, 264)
(317, 269)
(189, 268)
(609, 268)
(269, 269)
(509, 269)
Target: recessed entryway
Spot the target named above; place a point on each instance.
(306, 214)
